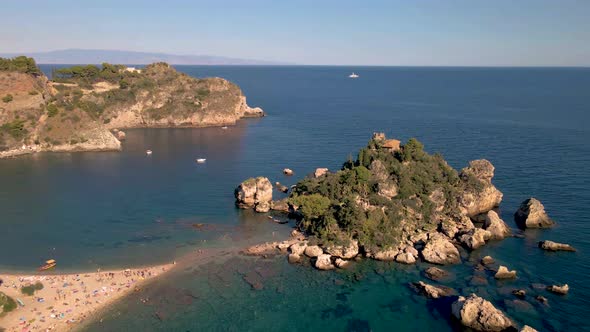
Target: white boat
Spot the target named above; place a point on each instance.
(224, 127)
(201, 160)
(353, 75)
(148, 152)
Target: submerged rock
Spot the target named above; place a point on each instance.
(439, 250)
(324, 262)
(433, 292)
(527, 328)
(479, 314)
(562, 290)
(555, 246)
(436, 274)
(496, 226)
(531, 214)
(520, 293)
(504, 273)
(288, 171)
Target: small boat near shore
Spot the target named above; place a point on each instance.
(224, 127)
(48, 265)
(201, 160)
(148, 152)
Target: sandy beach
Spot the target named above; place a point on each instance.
(67, 300)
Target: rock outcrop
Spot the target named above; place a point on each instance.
(479, 314)
(320, 172)
(439, 250)
(480, 195)
(313, 251)
(557, 289)
(504, 273)
(555, 246)
(254, 193)
(496, 226)
(346, 251)
(531, 214)
(475, 238)
(324, 262)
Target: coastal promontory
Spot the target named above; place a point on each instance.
(81, 106)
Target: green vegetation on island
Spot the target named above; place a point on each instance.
(388, 189)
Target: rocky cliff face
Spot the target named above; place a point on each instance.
(78, 114)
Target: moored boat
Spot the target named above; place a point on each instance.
(201, 160)
(48, 265)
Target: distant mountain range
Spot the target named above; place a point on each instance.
(85, 56)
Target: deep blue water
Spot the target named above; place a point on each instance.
(118, 209)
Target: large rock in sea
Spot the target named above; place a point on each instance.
(555, 246)
(531, 214)
(439, 250)
(562, 290)
(504, 273)
(496, 226)
(479, 314)
(479, 194)
(254, 193)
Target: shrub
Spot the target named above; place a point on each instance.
(33, 92)
(16, 129)
(31, 289)
(123, 84)
(8, 98)
(52, 110)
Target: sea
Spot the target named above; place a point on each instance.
(124, 209)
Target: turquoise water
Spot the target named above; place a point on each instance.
(117, 209)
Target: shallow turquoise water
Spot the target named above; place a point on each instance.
(119, 209)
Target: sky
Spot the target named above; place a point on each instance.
(398, 33)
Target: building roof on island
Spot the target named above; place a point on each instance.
(391, 144)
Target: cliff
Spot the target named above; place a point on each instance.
(79, 108)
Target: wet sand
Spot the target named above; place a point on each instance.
(68, 300)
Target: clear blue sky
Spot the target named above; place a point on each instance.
(412, 32)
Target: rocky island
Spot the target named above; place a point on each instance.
(83, 107)
(396, 202)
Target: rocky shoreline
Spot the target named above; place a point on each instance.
(475, 223)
